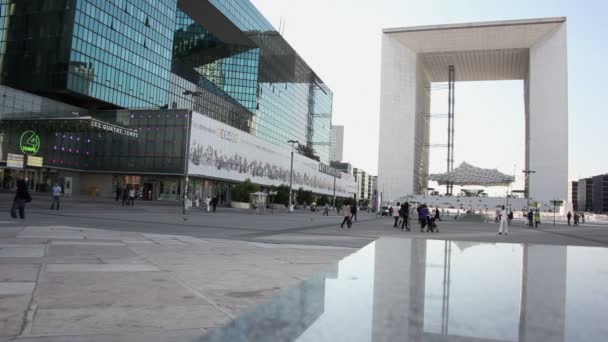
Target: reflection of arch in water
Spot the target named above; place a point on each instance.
(401, 293)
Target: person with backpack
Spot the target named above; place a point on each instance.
(22, 196)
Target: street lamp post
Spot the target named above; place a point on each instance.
(187, 153)
(292, 142)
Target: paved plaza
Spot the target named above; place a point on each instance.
(97, 271)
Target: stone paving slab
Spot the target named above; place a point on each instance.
(16, 288)
(100, 268)
(18, 273)
(21, 251)
(12, 312)
(184, 335)
(91, 320)
(112, 289)
(84, 251)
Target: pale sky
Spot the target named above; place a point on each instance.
(341, 41)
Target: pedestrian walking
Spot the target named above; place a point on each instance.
(22, 196)
(346, 213)
(510, 217)
(125, 196)
(208, 203)
(582, 218)
(576, 217)
(131, 197)
(326, 210)
(214, 202)
(503, 226)
(423, 215)
(56, 194)
(437, 217)
(536, 218)
(119, 191)
(569, 217)
(395, 212)
(353, 211)
(405, 216)
(530, 219)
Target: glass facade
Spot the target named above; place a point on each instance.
(218, 57)
(73, 143)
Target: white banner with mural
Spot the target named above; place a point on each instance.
(223, 152)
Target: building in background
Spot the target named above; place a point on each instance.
(343, 167)
(599, 201)
(138, 89)
(336, 152)
(585, 194)
(573, 195)
(366, 186)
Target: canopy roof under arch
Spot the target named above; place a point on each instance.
(467, 174)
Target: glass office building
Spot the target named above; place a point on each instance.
(145, 54)
(137, 64)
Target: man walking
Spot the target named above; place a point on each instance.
(396, 214)
(576, 217)
(504, 226)
(405, 215)
(530, 219)
(56, 194)
(125, 196)
(326, 210)
(437, 217)
(214, 203)
(119, 191)
(353, 211)
(22, 196)
(132, 196)
(569, 217)
(346, 214)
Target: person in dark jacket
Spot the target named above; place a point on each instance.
(22, 196)
(353, 211)
(405, 216)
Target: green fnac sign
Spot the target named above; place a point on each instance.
(29, 142)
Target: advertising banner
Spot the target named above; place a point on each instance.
(220, 151)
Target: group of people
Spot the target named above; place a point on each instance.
(22, 196)
(427, 218)
(127, 194)
(577, 218)
(210, 203)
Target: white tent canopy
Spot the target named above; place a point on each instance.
(467, 174)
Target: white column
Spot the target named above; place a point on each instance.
(548, 144)
(397, 119)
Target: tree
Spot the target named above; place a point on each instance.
(308, 152)
(282, 196)
(241, 192)
(323, 200)
(304, 197)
